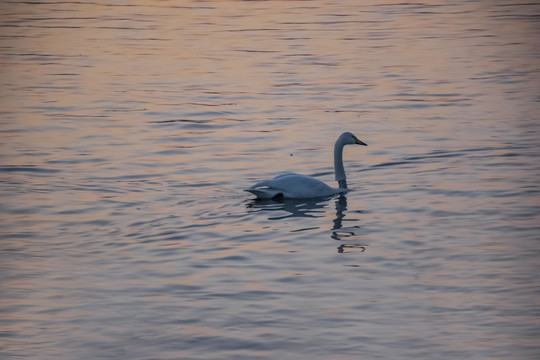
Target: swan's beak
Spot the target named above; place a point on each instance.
(359, 142)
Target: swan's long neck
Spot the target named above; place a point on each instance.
(339, 170)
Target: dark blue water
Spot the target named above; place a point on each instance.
(130, 130)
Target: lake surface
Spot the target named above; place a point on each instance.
(130, 129)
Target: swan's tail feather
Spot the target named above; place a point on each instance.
(265, 193)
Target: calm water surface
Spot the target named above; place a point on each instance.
(130, 129)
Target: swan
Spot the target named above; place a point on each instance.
(295, 186)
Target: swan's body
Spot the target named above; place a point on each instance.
(294, 186)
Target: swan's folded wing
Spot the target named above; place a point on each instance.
(265, 189)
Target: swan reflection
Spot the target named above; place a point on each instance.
(307, 208)
(349, 236)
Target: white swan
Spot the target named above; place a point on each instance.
(294, 186)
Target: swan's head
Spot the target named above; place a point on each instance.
(348, 138)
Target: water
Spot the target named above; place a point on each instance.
(130, 129)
